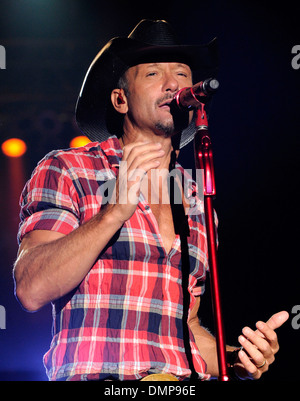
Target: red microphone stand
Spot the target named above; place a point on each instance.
(204, 161)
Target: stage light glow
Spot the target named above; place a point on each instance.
(14, 147)
(79, 141)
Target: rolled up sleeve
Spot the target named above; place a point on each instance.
(49, 200)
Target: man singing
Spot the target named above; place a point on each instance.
(113, 268)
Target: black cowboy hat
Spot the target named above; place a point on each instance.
(150, 41)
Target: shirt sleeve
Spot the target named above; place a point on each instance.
(199, 289)
(49, 200)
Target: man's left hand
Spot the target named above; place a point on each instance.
(259, 347)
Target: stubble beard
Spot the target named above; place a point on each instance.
(176, 123)
(166, 129)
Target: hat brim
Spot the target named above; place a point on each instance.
(94, 113)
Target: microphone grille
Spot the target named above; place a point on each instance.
(213, 84)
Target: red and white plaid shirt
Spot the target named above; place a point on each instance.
(124, 320)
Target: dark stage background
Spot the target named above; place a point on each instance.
(254, 123)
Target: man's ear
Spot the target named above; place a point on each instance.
(119, 101)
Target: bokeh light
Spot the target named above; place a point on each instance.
(14, 147)
(79, 141)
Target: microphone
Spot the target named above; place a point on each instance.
(188, 98)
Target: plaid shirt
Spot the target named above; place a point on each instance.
(124, 320)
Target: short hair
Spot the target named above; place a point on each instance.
(123, 83)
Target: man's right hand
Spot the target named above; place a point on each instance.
(138, 158)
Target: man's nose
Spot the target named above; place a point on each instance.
(170, 83)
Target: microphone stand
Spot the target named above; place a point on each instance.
(204, 161)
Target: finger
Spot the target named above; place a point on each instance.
(257, 353)
(128, 147)
(134, 149)
(137, 174)
(145, 161)
(274, 322)
(249, 365)
(277, 320)
(260, 342)
(269, 334)
(257, 348)
(136, 154)
(252, 351)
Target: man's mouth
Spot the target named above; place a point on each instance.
(165, 104)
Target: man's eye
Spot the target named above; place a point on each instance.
(150, 74)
